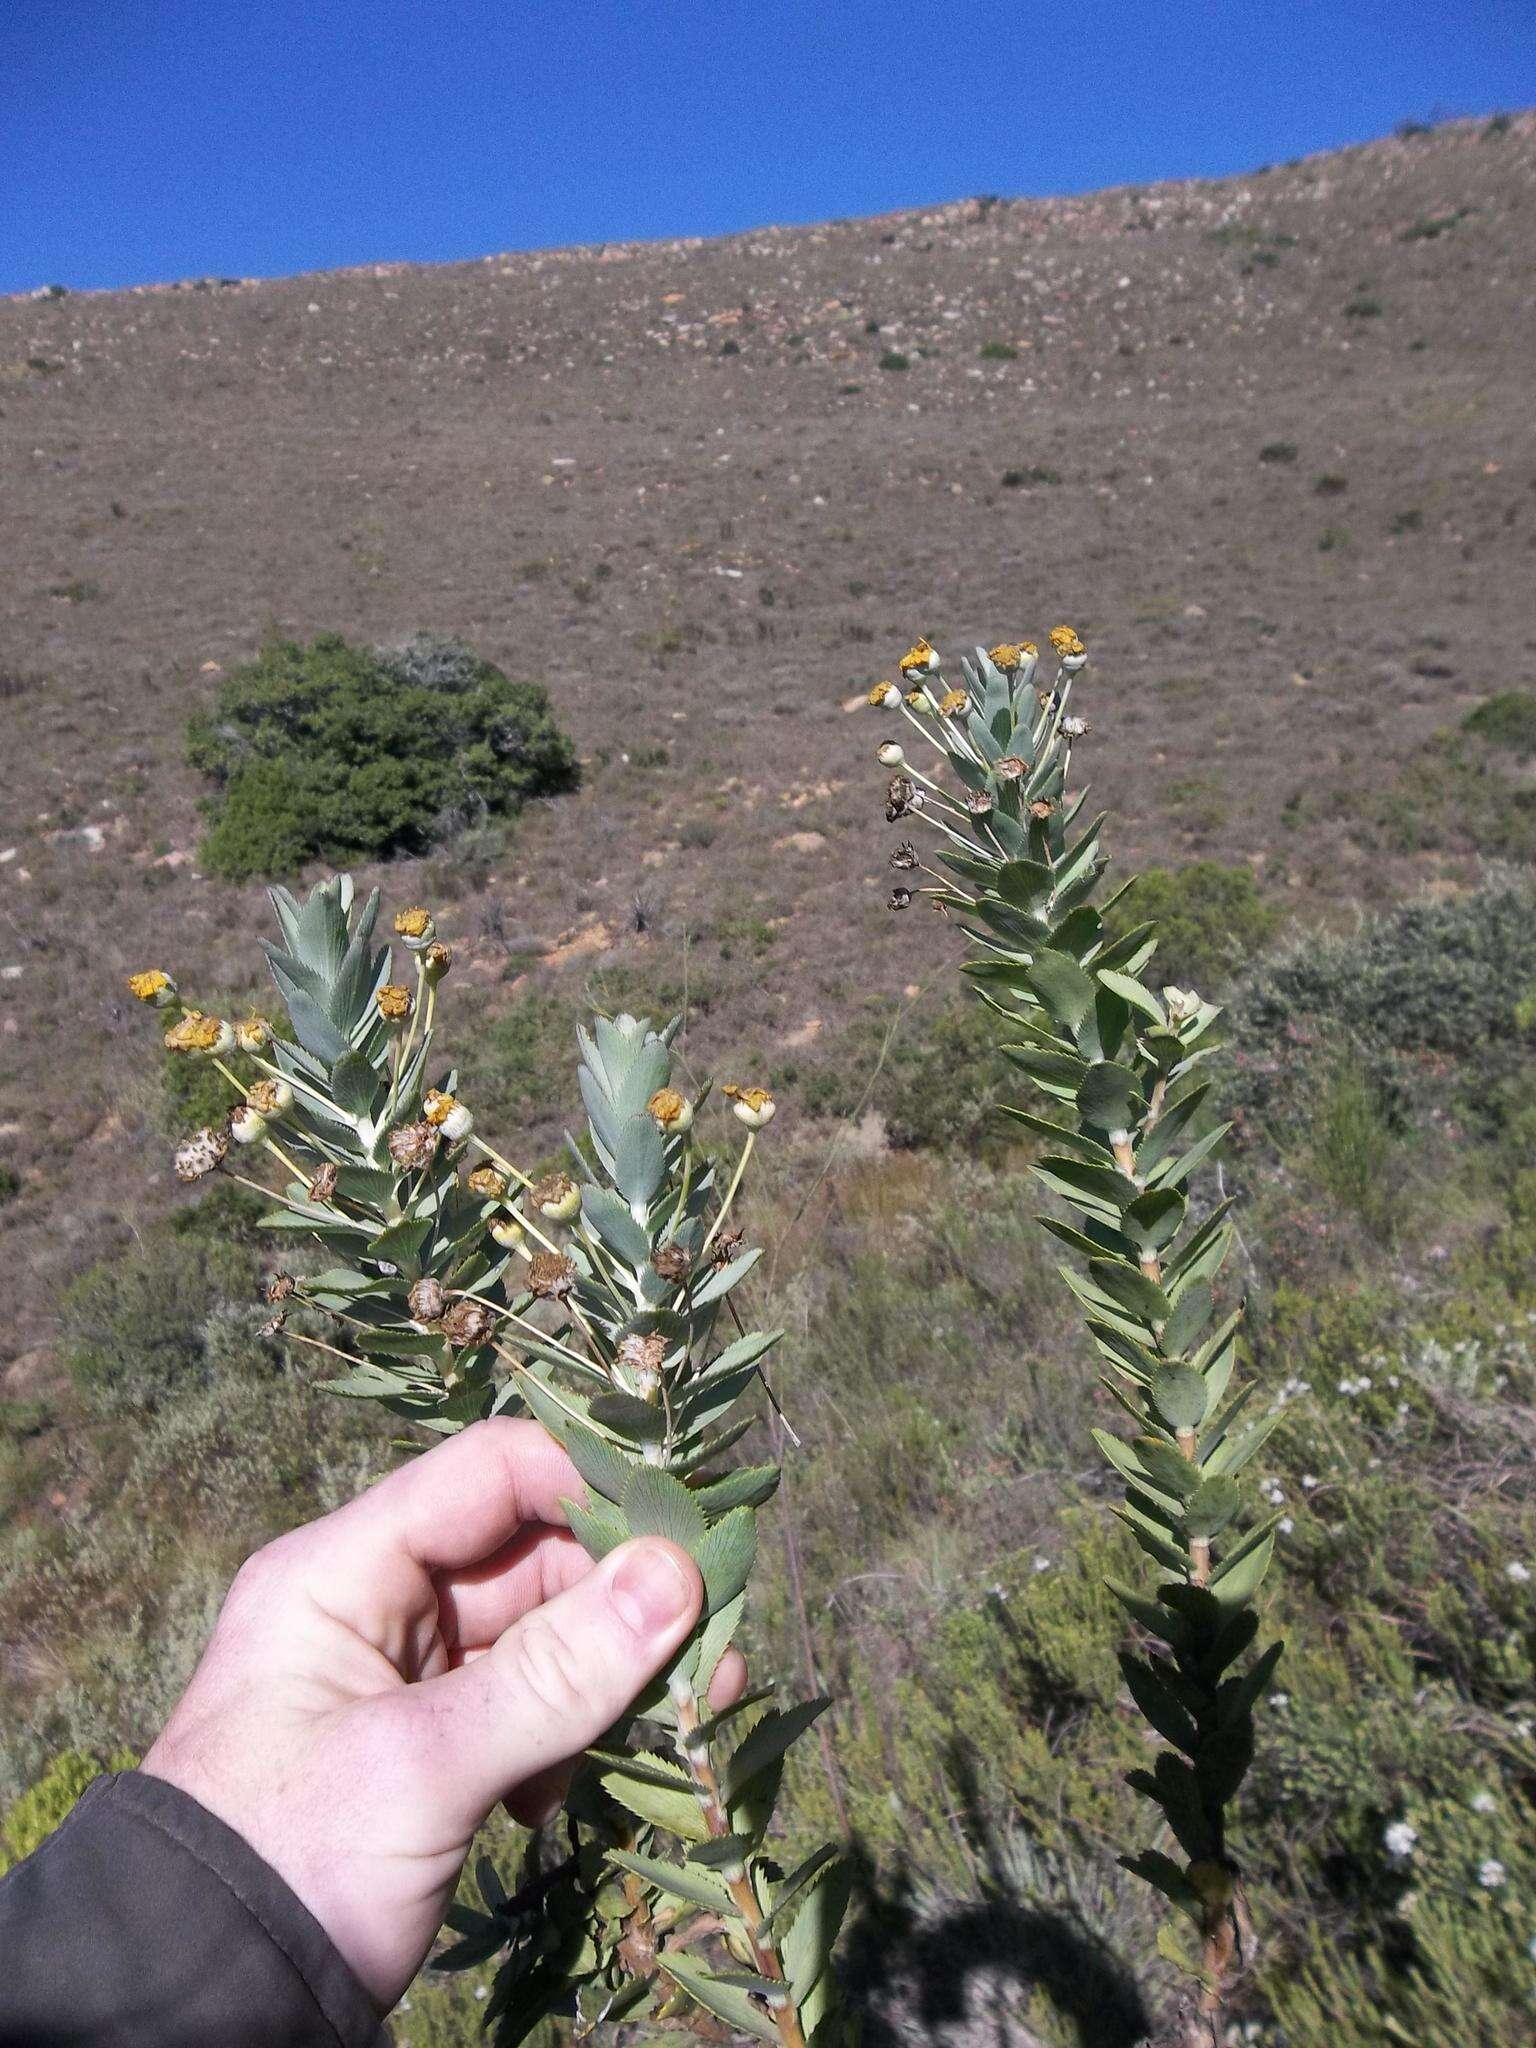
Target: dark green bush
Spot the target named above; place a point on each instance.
(1507, 720)
(343, 753)
(1210, 920)
(134, 1330)
(936, 1080)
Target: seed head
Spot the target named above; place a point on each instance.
(979, 803)
(201, 1154)
(672, 1262)
(270, 1098)
(899, 899)
(416, 927)
(890, 755)
(279, 1288)
(426, 1300)
(487, 1182)
(644, 1357)
(905, 855)
(920, 659)
(551, 1275)
(1042, 807)
(323, 1186)
(152, 986)
(1074, 728)
(557, 1197)
(673, 1112)
(436, 961)
(725, 1247)
(412, 1146)
(467, 1323)
(901, 796)
(1010, 768)
(395, 1002)
(953, 702)
(752, 1106)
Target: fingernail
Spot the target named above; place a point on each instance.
(650, 1589)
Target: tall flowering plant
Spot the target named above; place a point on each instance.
(598, 1299)
(1126, 1121)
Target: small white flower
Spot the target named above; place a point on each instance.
(1308, 1481)
(1042, 1563)
(1400, 1839)
(1484, 1802)
(1517, 1571)
(1280, 1699)
(1285, 1525)
(1491, 1873)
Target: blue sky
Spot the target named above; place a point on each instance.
(156, 139)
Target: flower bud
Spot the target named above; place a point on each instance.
(395, 1002)
(556, 1197)
(509, 1233)
(487, 1182)
(436, 961)
(152, 986)
(246, 1125)
(890, 755)
(673, 1112)
(752, 1106)
(270, 1098)
(884, 697)
(436, 1106)
(252, 1034)
(416, 927)
(457, 1124)
(1006, 657)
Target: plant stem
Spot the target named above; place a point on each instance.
(765, 1954)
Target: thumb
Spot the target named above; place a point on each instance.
(555, 1680)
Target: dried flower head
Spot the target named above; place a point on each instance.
(900, 797)
(644, 1357)
(1074, 728)
(323, 1186)
(979, 803)
(556, 1196)
(725, 1247)
(436, 961)
(201, 1154)
(152, 986)
(551, 1275)
(416, 927)
(953, 702)
(884, 697)
(673, 1112)
(672, 1262)
(426, 1300)
(395, 1002)
(1042, 807)
(899, 899)
(1010, 768)
(270, 1098)
(280, 1287)
(195, 1033)
(905, 855)
(752, 1106)
(920, 659)
(412, 1146)
(1065, 641)
(488, 1183)
(252, 1033)
(246, 1125)
(1006, 656)
(468, 1322)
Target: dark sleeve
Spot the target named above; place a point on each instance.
(144, 1922)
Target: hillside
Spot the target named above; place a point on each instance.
(676, 482)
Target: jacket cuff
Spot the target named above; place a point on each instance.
(145, 1922)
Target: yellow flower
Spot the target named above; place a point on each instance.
(884, 697)
(486, 1181)
(920, 659)
(1065, 641)
(754, 1106)
(673, 1112)
(953, 702)
(1006, 656)
(270, 1098)
(252, 1033)
(416, 927)
(199, 1034)
(395, 1002)
(152, 986)
(437, 1107)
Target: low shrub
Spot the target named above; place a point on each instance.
(135, 1330)
(1506, 720)
(1211, 919)
(33, 1817)
(343, 753)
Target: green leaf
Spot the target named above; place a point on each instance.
(674, 1807)
(354, 1084)
(603, 1466)
(1191, 1312)
(1165, 1876)
(1154, 1218)
(1025, 885)
(1166, 1468)
(747, 1487)
(728, 2001)
(1109, 1096)
(595, 1529)
(1060, 985)
(1132, 1290)
(1129, 990)
(614, 1224)
(628, 1416)
(767, 1742)
(1179, 1395)
(684, 1881)
(726, 1556)
(1236, 1580)
(653, 1503)
(1211, 1507)
(1144, 1682)
(639, 1159)
(1236, 1697)
(806, 1949)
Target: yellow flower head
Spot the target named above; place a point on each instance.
(416, 926)
(252, 1033)
(673, 1112)
(884, 697)
(395, 1002)
(754, 1106)
(196, 1033)
(152, 986)
(920, 658)
(1006, 656)
(1065, 641)
(486, 1181)
(953, 702)
(270, 1098)
(437, 1107)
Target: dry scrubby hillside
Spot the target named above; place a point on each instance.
(1268, 442)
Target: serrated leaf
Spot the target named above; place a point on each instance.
(727, 2000)
(1179, 1396)
(673, 1807)
(1211, 1507)
(628, 1416)
(726, 1556)
(613, 1223)
(683, 1881)
(1145, 1684)
(354, 1084)
(639, 1159)
(806, 1949)
(1191, 1312)
(767, 1742)
(653, 1503)
(1109, 1096)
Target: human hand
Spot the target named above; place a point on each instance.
(380, 1679)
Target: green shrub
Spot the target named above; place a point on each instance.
(1279, 451)
(345, 753)
(40, 1809)
(935, 1080)
(1211, 918)
(893, 359)
(134, 1330)
(1506, 720)
(998, 352)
